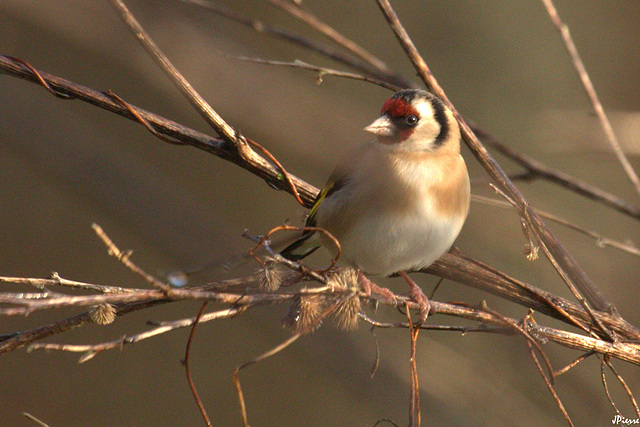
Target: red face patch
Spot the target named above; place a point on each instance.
(398, 107)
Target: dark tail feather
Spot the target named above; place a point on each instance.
(298, 250)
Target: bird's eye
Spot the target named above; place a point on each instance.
(411, 120)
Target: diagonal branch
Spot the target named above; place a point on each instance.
(254, 164)
(563, 29)
(233, 138)
(600, 240)
(473, 273)
(223, 129)
(315, 23)
(538, 169)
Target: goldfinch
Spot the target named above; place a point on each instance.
(397, 202)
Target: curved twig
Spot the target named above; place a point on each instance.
(236, 373)
(549, 385)
(187, 367)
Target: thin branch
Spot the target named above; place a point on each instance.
(549, 385)
(206, 317)
(55, 279)
(123, 257)
(601, 241)
(522, 330)
(563, 29)
(376, 360)
(187, 367)
(35, 420)
(321, 71)
(414, 402)
(223, 129)
(574, 363)
(257, 359)
(607, 361)
(532, 246)
(21, 339)
(315, 23)
(628, 352)
(603, 377)
(449, 328)
(538, 169)
(91, 350)
(471, 272)
(575, 289)
(533, 249)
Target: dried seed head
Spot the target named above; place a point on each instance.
(346, 313)
(102, 314)
(531, 251)
(270, 276)
(343, 279)
(304, 313)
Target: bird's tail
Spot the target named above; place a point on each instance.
(301, 248)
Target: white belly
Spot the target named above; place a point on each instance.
(386, 244)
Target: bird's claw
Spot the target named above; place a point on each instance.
(369, 287)
(418, 297)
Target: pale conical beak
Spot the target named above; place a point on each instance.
(382, 126)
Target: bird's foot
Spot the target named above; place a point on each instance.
(369, 287)
(417, 296)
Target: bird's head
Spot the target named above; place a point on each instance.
(416, 120)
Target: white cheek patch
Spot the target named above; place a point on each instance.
(427, 129)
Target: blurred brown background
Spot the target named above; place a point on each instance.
(64, 165)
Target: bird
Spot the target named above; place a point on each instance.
(397, 202)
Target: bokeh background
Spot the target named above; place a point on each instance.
(64, 165)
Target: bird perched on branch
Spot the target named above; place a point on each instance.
(397, 202)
